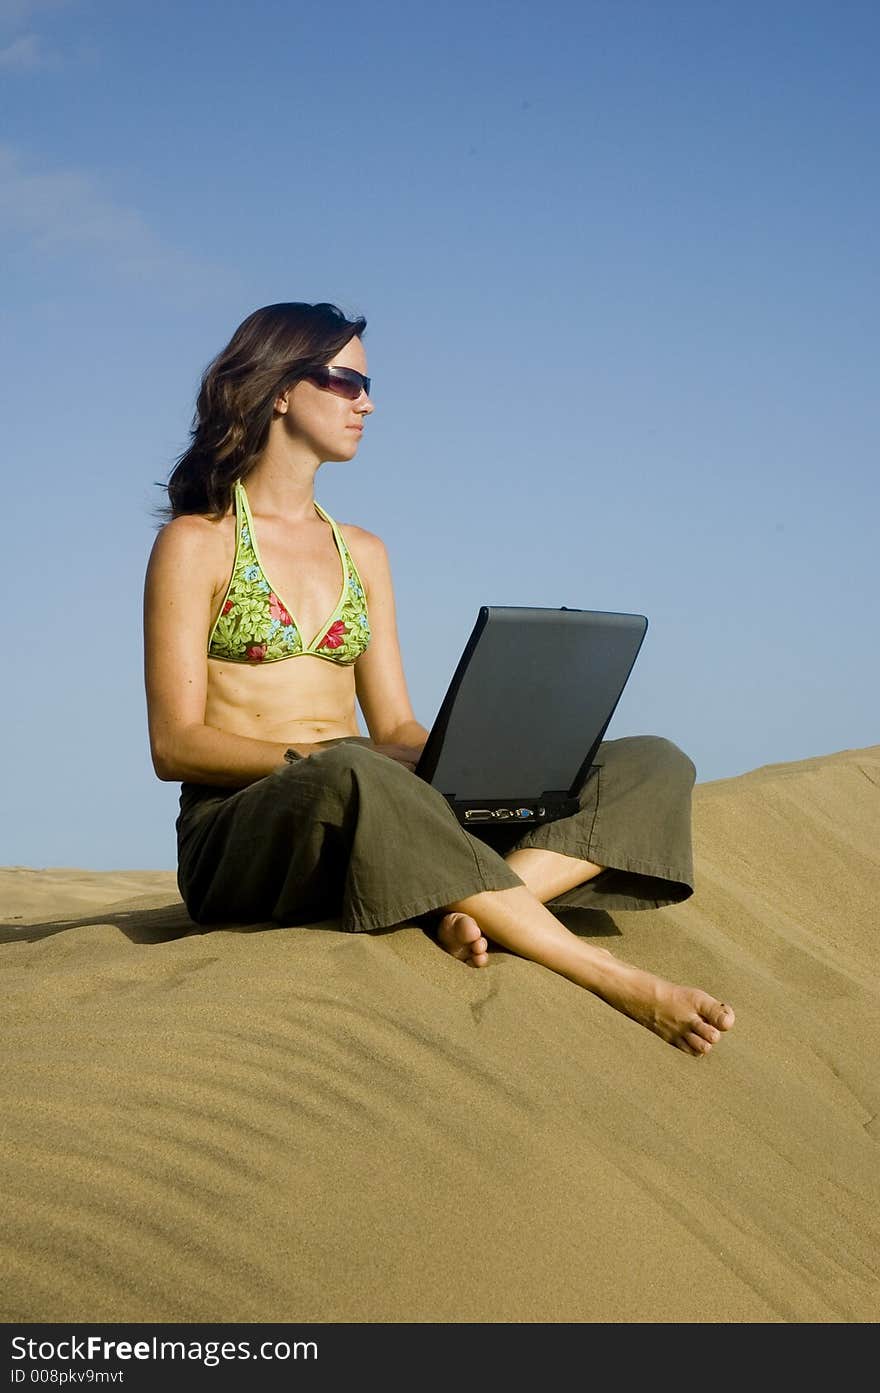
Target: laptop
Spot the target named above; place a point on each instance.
(526, 710)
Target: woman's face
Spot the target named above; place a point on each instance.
(329, 424)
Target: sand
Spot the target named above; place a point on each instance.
(263, 1124)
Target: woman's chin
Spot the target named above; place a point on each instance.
(348, 450)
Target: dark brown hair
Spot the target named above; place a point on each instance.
(271, 350)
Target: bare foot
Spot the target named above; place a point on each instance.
(460, 935)
(685, 1017)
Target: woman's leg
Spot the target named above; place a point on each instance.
(545, 873)
(685, 1017)
(636, 811)
(549, 874)
(634, 821)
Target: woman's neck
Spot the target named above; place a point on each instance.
(283, 486)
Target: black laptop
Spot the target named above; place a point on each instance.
(526, 710)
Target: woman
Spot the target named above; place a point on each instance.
(287, 813)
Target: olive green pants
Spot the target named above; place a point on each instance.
(350, 834)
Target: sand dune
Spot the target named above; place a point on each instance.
(265, 1124)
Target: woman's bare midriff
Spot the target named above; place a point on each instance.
(299, 700)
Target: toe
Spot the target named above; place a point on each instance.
(461, 937)
(459, 952)
(706, 1031)
(695, 1043)
(449, 940)
(719, 1014)
(463, 929)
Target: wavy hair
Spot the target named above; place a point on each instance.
(270, 351)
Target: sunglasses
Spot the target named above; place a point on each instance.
(344, 382)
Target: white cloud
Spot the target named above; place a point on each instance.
(26, 53)
(66, 208)
(65, 213)
(17, 11)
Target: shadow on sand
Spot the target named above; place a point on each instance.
(170, 922)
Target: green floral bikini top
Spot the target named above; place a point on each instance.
(255, 626)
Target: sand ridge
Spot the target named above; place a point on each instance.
(263, 1124)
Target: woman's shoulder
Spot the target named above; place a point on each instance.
(366, 548)
(193, 539)
(361, 537)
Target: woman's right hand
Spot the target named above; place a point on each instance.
(408, 755)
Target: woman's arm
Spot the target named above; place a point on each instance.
(379, 678)
(186, 560)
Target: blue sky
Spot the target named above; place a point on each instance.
(619, 266)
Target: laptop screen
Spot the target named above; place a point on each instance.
(530, 701)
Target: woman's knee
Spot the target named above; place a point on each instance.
(672, 756)
(654, 752)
